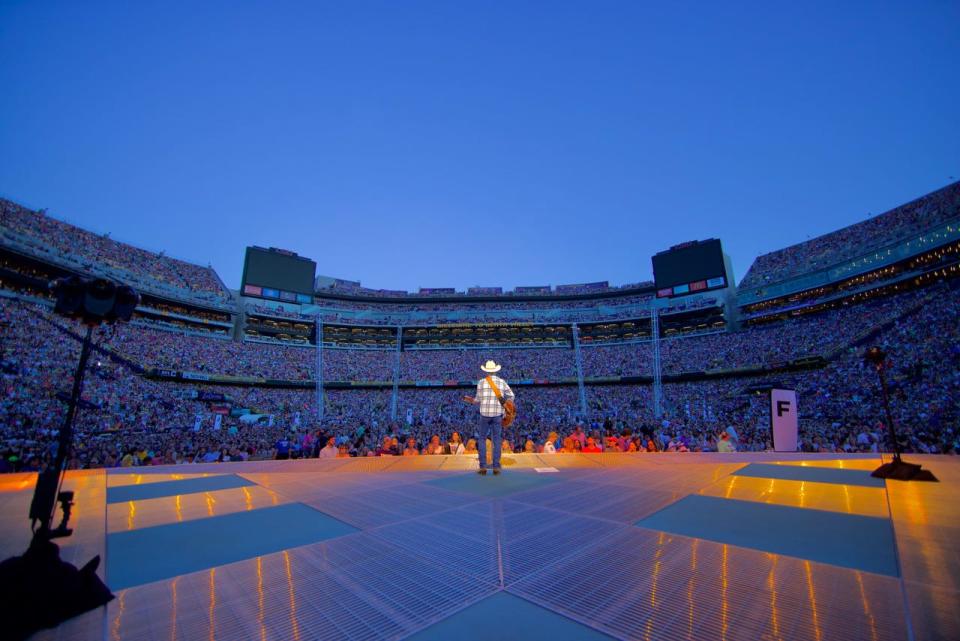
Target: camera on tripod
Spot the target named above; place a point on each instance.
(93, 300)
(65, 498)
(38, 589)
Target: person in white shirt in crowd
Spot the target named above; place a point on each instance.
(454, 445)
(548, 445)
(329, 450)
(725, 443)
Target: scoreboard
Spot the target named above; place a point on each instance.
(689, 268)
(278, 274)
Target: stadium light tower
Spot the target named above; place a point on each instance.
(897, 469)
(37, 589)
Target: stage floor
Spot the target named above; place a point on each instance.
(649, 546)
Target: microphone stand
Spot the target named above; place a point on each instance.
(897, 469)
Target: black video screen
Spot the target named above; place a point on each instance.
(700, 261)
(275, 270)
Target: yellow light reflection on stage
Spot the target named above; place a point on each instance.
(17, 486)
(131, 514)
(655, 577)
(656, 570)
(932, 559)
(812, 594)
(293, 598)
(690, 588)
(724, 603)
(909, 498)
(173, 611)
(212, 635)
(846, 499)
(121, 603)
(866, 606)
(772, 586)
(179, 508)
(260, 609)
(249, 498)
(730, 486)
(210, 503)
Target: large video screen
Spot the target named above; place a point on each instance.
(270, 269)
(689, 263)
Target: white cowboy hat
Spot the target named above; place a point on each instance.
(490, 366)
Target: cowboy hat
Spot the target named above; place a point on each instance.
(490, 366)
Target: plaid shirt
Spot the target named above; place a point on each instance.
(487, 399)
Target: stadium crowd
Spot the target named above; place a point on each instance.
(858, 239)
(560, 311)
(126, 419)
(183, 350)
(354, 288)
(130, 264)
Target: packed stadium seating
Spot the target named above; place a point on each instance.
(353, 288)
(126, 412)
(131, 417)
(130, 264)
(853, 241)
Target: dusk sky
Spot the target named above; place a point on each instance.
(452, 144)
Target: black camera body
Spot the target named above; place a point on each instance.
(93, 300)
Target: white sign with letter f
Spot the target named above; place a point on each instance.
(783, 419)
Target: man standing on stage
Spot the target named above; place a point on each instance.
(491, 414)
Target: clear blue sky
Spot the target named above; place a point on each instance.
(411, 144)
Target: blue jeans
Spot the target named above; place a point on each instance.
(490, 426)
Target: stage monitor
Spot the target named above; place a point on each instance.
(278, 273)
(689, 268)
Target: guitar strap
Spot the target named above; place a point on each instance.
(496, 390)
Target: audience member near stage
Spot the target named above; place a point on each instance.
(386, 448)
(434, 446)
(549, 446)
(592, 447)
(725, 443)
(579, 435)
(454, 445)
(282, 448)
(411, 448)
(329, 450)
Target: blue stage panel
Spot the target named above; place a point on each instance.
(154, 553)
(505, 617)
(847, 540)
(813, 474)
(123, 493)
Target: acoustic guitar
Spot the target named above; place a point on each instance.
(509, 408)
